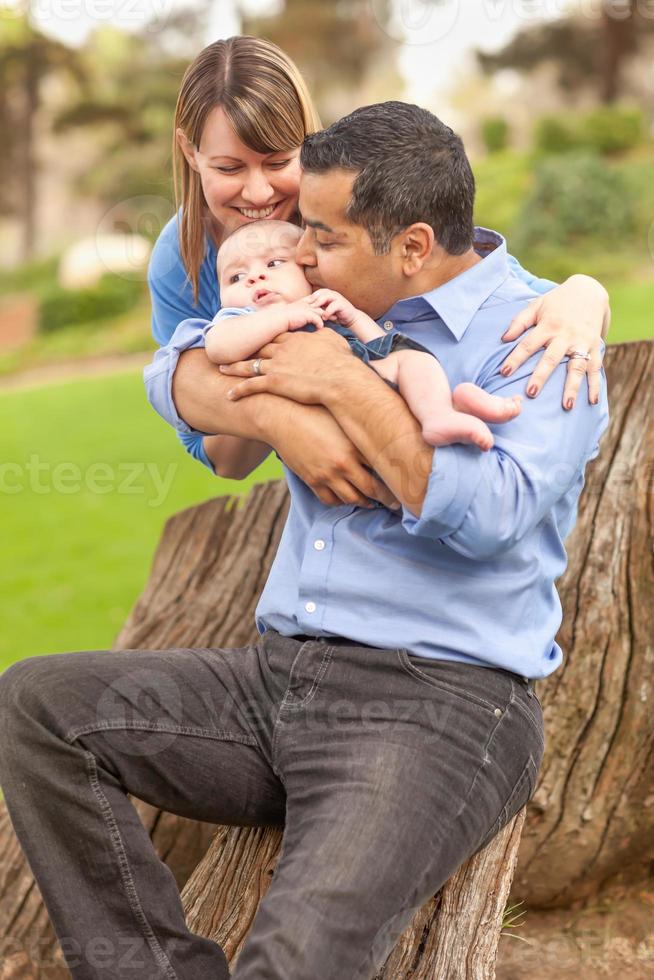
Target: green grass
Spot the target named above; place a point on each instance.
(75, 559)
(632, 306)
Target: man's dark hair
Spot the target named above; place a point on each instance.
(411, 167)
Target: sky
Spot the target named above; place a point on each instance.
(439, 39)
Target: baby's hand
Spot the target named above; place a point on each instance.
(298, 314)
(334, 306)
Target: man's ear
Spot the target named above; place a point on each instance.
(187, 148)
(416, 246)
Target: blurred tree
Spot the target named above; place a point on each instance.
(335, 45)
(128, 102)
(27, 59)
(586, 50)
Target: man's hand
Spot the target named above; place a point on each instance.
(308, 439)
(313, 445)
(300, 366)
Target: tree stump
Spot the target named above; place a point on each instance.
(593, 812)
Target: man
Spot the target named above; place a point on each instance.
(396, 729)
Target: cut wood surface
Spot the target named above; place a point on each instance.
(592, 816)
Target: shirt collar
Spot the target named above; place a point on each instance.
(457, 301)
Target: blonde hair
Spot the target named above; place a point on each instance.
(266, 101)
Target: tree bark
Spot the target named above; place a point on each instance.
(592, 816)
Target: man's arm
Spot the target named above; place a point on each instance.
(480, 504)
(307, 438)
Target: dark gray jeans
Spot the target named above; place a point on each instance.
(387, 771)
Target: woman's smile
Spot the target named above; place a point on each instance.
(255, 214)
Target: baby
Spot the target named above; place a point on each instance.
(264, 292)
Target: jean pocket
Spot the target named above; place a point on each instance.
(530, 707)
(522, 792)
(458, 679)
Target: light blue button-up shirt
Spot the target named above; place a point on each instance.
(473, 578)
(172, 298)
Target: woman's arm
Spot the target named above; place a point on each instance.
(233, 457)
(172, 302)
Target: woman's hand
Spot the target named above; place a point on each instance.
(570, 318)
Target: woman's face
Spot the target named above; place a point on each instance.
(240, 185)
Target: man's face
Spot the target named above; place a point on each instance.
(339, 255)
(257, 267)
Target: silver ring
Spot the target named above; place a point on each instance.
(256, 366)
(581, 353)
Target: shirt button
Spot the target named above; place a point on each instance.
(388, 324)
(310, 606)
(319, 544)
(498, 712)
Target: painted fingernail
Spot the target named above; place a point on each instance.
(532, 390)
(594, 400)
(570, 402)
(506, 370)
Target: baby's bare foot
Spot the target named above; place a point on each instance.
(439, 430)
(472, 399)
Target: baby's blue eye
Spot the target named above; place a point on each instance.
(275, 261)
(236, 277)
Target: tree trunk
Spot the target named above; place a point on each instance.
(593, 812)
(592, 816)
(619, 39)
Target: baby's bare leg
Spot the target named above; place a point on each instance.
(424, 386)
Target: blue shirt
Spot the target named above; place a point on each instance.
(172, 301)
(472, 579)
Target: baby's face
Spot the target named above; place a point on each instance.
(256, 267)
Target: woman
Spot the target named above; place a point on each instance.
(242, 113)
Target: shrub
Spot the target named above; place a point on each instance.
(37, 277)
(611, 129)
(495, 134)
(554, 134)
(605, 130)
(64, 307)
(575, 198)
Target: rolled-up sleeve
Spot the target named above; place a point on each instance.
(482, 503)
(158, 376)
